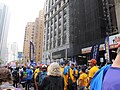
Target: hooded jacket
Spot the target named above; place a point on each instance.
(96, 83)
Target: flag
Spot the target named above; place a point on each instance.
(31, 52)
(95, 51)
(107, 55)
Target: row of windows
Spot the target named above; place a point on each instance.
(60, 14)
(54, 27)
(54, 33)
(59, 42)
(52, 3)
(55, 43)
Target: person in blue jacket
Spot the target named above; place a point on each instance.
(107, 78)
(29, 77)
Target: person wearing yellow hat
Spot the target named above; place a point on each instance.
(92, 71)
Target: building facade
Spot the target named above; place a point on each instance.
(39, 36)
(29, 37)
(13, 51)
(56, 32)
(71, 25)
(34, 34)
(4, 22)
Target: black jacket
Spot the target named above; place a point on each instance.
(52, 83)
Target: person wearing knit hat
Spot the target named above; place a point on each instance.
(5, 80)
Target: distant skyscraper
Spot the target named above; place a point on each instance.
(39, 36)
(4, 22)
(34, 33)
(14, 51)
(29, 37)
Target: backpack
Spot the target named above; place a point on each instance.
(15, 74)
(41, 76)
(24, 75)
(55, 84)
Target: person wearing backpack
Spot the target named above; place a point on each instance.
(15, 76)
(23, 77)
(54, 80)
(41, 75)
(29, 77)
(72, 77)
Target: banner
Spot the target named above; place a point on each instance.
(31, 52)
(95, 51)
(20, 54)
(107, 55)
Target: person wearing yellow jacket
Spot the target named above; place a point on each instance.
(65, 76)
(72, 75)
(38, 69)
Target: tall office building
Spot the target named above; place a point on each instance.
(90, 22)
(39, 24)
(56, 32)
(29, 37)
(4, 22)
(34, 33)
(14, 52)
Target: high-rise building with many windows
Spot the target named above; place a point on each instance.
(39, 36)
(71, 25)
(56, 32)
(29, 37)
(4, 22)
(34, 33)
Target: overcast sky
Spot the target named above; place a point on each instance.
(21, 12)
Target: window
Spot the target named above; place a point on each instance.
(64, 38)
(59, 31)
(64, 27)
(48, 15)
(63, 1)
(59, 5)
(55, 33)
(64, 12)
(51, 12)
(55, 19)
(52, 2)
(59, 15)
(51, 28)
(51, 22)
(55, 9)
(64, 20)
(50, 45)
(54, 43)
(59, 41)
(55, 26)
(59, 23)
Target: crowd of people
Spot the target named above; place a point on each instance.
(56, 76)
(62, 76)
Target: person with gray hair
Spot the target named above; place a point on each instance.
(5, 80)
(54, 80)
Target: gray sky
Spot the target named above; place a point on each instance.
(21, 12)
